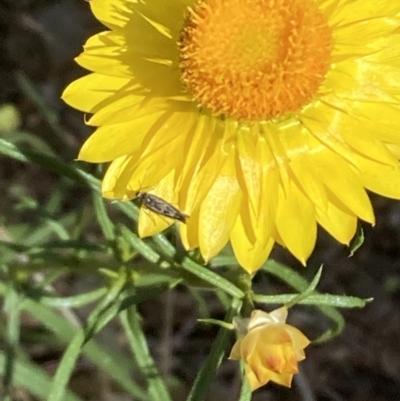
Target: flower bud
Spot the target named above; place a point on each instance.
(269, 348)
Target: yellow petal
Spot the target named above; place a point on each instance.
(299, 340)
(381, 119)
(219, 211)
(251, 164)
(251, 236)
(284, 379)
(260, 318)
(112, 141)
(275, 334)
(301, 165)
(189, 231)
(338, 220)
(359, 137)
(252, 378)
(202, 165)
(394, 149)
(349, 12)
(279, 315)
(344, 184)
(380, 178)
(103, 55)
(318, 120)
(165, 12)
(151, 223)
(114, 14)
(295, 222)
(273, 360)
(88, 92)
(166, 145)
(126, 107)
(235, 352)
(250, 253)
(116, 179)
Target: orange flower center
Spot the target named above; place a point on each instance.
(255, 59)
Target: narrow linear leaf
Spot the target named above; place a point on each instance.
(137, 340)
(220, 323)
(33, 379)
(128, 208)
(357, 241)
(309, 290)
(224, 260)
(202, 272)
(139, 245)
(49, 163)
(299, 283)
(50, 116)
(40, 251)
(337, 301)
(338, 327)
(74, 301)
(102, 217)
(207, 275)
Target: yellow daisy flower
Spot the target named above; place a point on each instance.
(257, 118)
(269, 348)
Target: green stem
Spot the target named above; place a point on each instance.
(207, 373)
(243, 281)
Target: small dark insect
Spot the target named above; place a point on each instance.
(160, 206)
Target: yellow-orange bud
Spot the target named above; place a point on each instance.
(270, 348)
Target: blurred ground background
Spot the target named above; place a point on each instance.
(38, 41)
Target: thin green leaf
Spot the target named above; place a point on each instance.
(102, 217)
(45, 111)
(338, 327)
(202, 272)
(337, 301)
(74, 301)
(144, 293)
(35, 142)
(33, 379)
(139, 245)
(128, 208)
(299, 283)
(156, 387)
(224, 260)
(309, 290)
(50, 245)
(68, 170)
(357, 241)
(163, 244)
(207, 275)
(220, 323)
